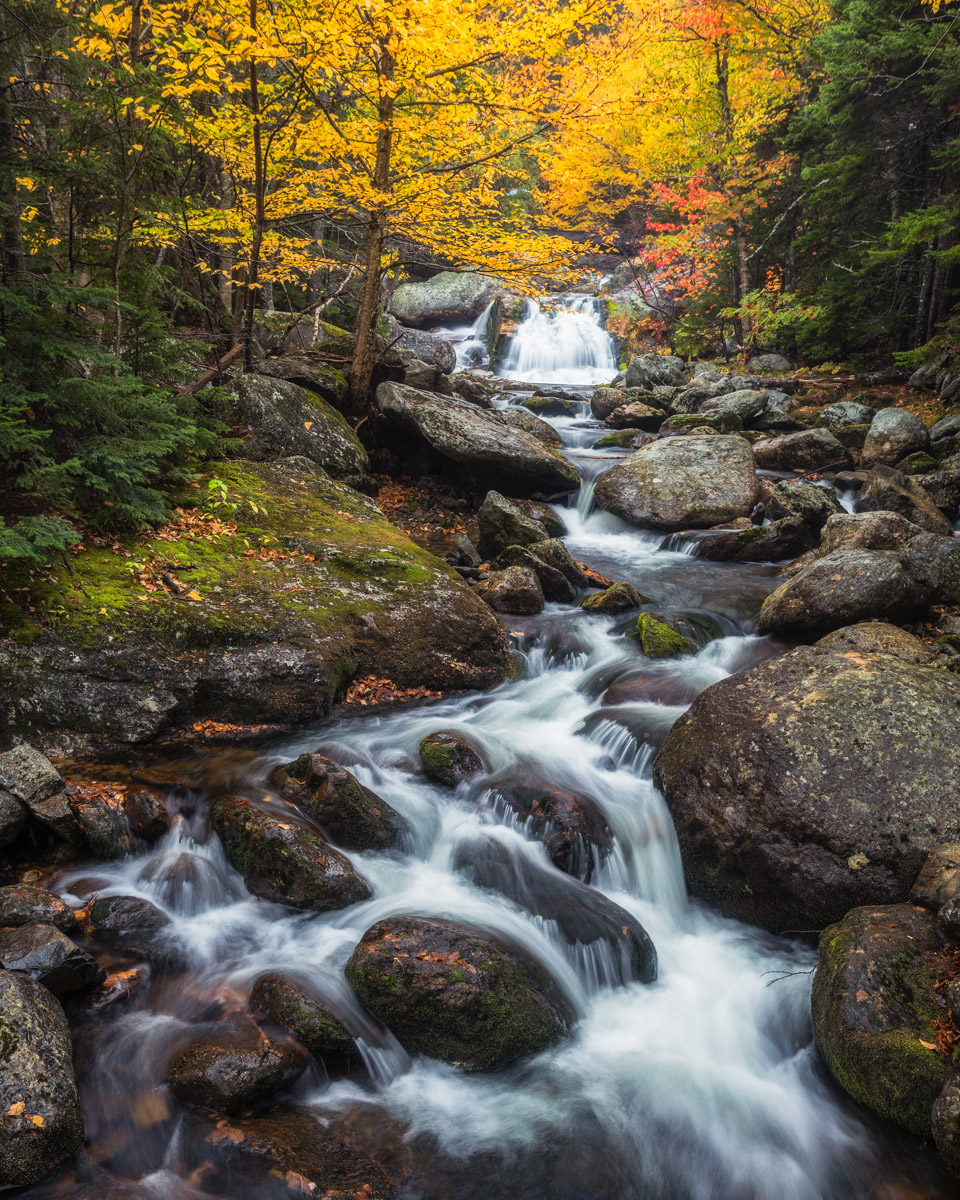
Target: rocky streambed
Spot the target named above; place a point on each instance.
(444, 946)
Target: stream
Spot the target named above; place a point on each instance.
(701, 1086)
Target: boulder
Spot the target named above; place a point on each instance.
(843, 413)
(348, 813)
(283, 861)
(618, 598)
(514, 590)
(606, 400)
(842, 588)
(813, 505)
(635, 416)
(147, 814)
(939, 880)
(620, 948)
(942, 486)
(450, 757)
(888, 490)
(572, 827)
(503, 523)
(675, 483)
(306, 370)
(658, 640)
(556, 587)
(649, 370)
(947, 427)
(866, 531)
(33, 781)
(782, 539)
(273, 333)
(934, 562)
(474, 393)
(49, 957)
(874, 1008)
(13, 817)
(555, 554)
(477, 438)
(429, 348)
(722, 422)
(126, 917)
(102, 816)
(284, 420)
(236, 1066)
(815, 781)
(746, 404)
(550, 406)
(293, 1006)
(451, 298)
(456, 993)
(24, 904)
(945, 1118)
(770, 364)
(523, 418)
(43, 1121)
(894, 433)
(622, 439)
(807, 450)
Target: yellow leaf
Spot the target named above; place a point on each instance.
(38, 1121)
(929, 1045)
(194, 596)
(103, 612)
(308, 424)
(16, 1109)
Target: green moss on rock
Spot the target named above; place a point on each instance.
(658, 640)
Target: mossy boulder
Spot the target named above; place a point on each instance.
(621, 439)
(293, 1006)
(348, 813)
(618, 598)
(722, 422)
(449, 298)
(550, 406)
(455, 993)
(918, 463)
(307, 370)
(782, 539)
(449, 757)
(300, 586)
(36, 1081)
(875, 1005)
(283, 861)
(658, 640)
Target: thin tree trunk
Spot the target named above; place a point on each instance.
(364, 355)
(256, 242)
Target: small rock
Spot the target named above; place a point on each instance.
(635, 416)
(555, 585)
(808, 450)
(104, 823)
(49, 957)
(449, 757)
(573, 828)
(292, 1006)
(147, 814)
(618, 598)
(514, 590)
(503, 524)
(658, 640)
(33, 780)
(125, 915)
(23, 904)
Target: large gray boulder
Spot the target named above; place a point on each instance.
(478, 438)
(866, 531)
(806, 450)
(451, 298)
(818, 780)
(429, 348)
(894, 433)
(307, 370)
(649, 370)
(746, 404)
(946, 427)
(770, 364)
(892, 491)
(676, 483)
(43, 1122)
(284, 420)
(844, 412)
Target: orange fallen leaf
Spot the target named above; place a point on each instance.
(16, 1109)
(38, 1121)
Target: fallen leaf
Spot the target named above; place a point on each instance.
(16, 1109)
(194, 596)
(38, 1121)
(308, 424)
(929, 1045)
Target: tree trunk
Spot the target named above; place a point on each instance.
(253, 270)
(364, 355)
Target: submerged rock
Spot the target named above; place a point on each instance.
(875, 1010)
(456, 993)
(350, 814)
(816, 781)
(449, 757)
(675, 483)
(42, 1121)
(283, 861)
(236, 1066)
(293, 1006)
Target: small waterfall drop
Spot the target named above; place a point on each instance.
(471, 342)
(561, 341)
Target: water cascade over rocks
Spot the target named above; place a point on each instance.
(684, 1074)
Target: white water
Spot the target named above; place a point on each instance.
(471, 342)
(701, 1086)
(561, 341)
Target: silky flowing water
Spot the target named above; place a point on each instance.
(701, 1086)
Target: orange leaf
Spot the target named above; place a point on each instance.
(38, 1121)
(16, 1109)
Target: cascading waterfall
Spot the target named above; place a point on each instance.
(561, 341)
(471, 342)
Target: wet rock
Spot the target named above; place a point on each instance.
(544, 515)
(13, 817)
(939, 880)
(675, 483)
(945, 1118)
(934, 563)
(103, 819)
(348, 813)
(808, 450)
(306, 370)
(555, 585)
(236, 1066)
(42, 1123)
(606, 400)
(477, 439)
(845, 587)
(23, 904)
(282, 1149)
(658, 640)
(572, 827)
(635, 416)
(618, 598)
(449, 757)
(550, 406)
(622, 439)
(33, 781)
(293, 1006)
(722, 422)
(285, 420)
(894, 433)
(843, 413)
(522, 418)
(126, 915)
(49, 957)
(649, 370)
(779, 540)
(502, 523)
(449, 299)
(747, 404)
(147, 815)
(890, 491)
(283, 861)
(943, 485)
(622, 948)
(514, 590)
(816, 781)
(866, 531)
(874, 1006)
(656, 688)
(456, 993)
(556, 555)
(813, 505)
